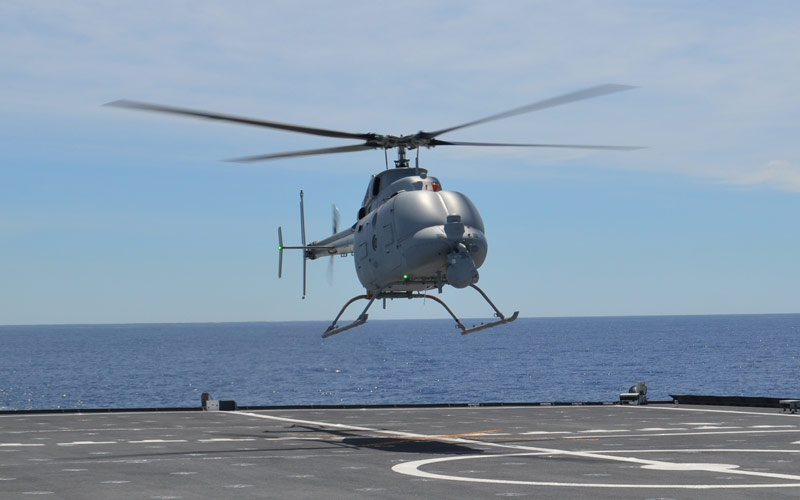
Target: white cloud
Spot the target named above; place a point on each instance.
(779, 174)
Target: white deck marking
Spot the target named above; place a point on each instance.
(300, 438)
(702, 450)
(412, 468)
(16, 445)
(151, 441)
(85, 443)
(653, 429)
(61, 415)
(88, 431)
(700, 433)
(225, 440)
(735, 412)
(532, 433)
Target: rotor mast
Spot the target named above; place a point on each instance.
(401, 161)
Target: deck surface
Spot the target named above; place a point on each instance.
(637, 452)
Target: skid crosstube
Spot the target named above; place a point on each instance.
(333, 329)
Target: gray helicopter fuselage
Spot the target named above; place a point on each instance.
(412, 235)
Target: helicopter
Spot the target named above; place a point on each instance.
(411, 235)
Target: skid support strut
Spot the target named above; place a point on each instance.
(334, 328)
(497, 314)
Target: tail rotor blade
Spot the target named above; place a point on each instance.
(302, 219)
(280, 252)
(335, 216)
(335, 220)
(303, 236)
(305, 262)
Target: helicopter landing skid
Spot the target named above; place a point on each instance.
(333, 329)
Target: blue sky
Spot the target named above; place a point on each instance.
(109, 215)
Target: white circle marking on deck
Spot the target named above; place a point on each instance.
(413, 469)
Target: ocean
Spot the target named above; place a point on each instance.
(397, 362)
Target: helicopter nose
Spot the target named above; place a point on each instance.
(461, 271)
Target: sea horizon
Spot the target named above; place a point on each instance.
(135, 365)
(375, 320)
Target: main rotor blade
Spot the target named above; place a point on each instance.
(305, 152)
(437, 142)
(589, 93)
(237, 119)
